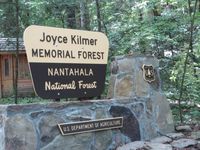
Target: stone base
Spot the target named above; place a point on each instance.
(34, 127)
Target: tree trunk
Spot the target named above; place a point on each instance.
(87, 16)
(8, 22)
(17, 51)
(105, 28)
(71, 17)
(190, 49)
(98, 15)
(82, 13)
(140, 15)
(199, 5)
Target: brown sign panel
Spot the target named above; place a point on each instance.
(89, 126)
(65, 62)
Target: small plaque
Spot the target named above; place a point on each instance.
(148, 73)
(90, 126)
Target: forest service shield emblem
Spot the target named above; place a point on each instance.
(148, 73)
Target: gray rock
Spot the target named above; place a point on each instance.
(195, 135)
(162, 113)
(149, 105)
(183, 143)
(145, 145)
(184, 128)
(2, 139)
(61, 143)
(141, 86)
(132, 146)
(198, 145)
(74, 142)
(36, 114)
(111, 87)
(48, 128)
(103, 138)
(126, 65)
(84, 140)
(2, 125)
(162, 139)
(118, 140)
(20, 134)
(114, 67)
(80, 114)
(124, 86)
(175, 136)
(148, 130)
(138, 109)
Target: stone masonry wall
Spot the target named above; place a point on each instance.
(127, 80)
(127, 77)
(142, 105)
(34, 127)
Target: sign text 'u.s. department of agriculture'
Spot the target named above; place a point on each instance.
(90, 126)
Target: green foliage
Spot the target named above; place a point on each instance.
(27, 100)
(156, 27)
(7, 14)
(191, 113)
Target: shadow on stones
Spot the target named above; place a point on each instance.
(130, 123)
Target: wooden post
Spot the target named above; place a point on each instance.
(1, 93)
(17, 50)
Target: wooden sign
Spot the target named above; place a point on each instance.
(148, 73)
(91, 125)
(65, 62)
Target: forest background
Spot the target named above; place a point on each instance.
(166, 29)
